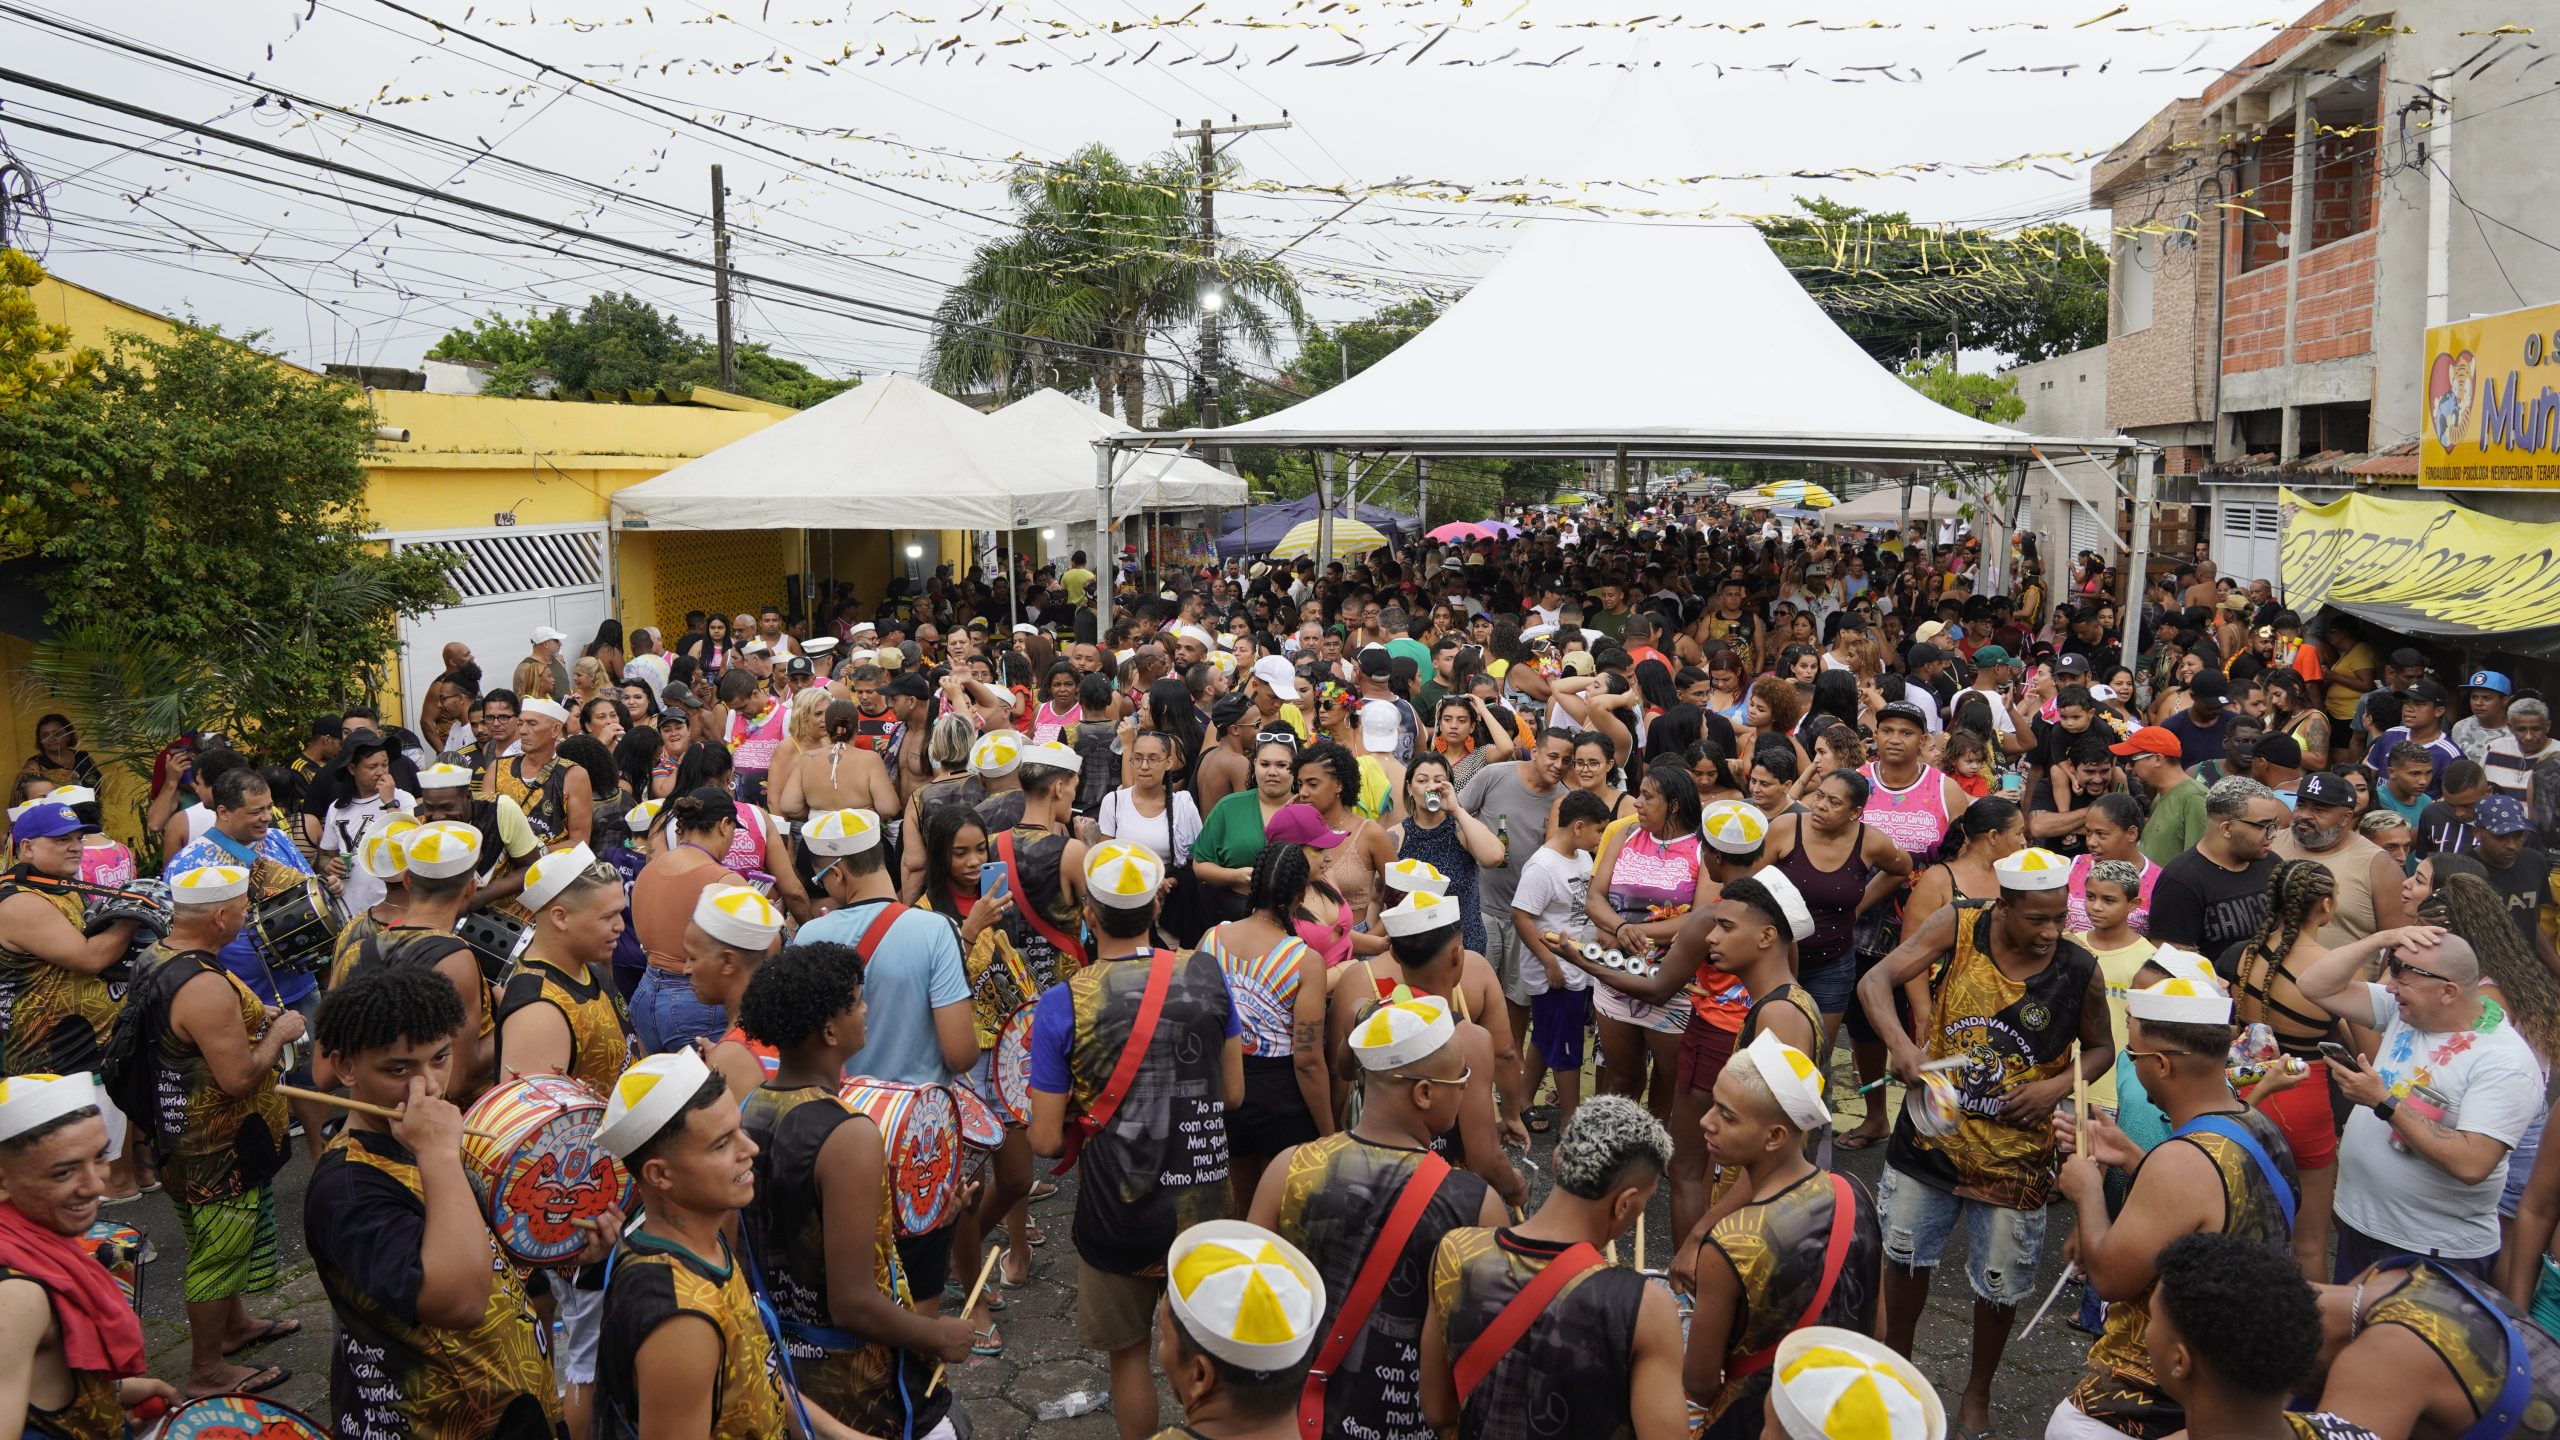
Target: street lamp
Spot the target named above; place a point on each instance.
(915, 552)
(1212, 298)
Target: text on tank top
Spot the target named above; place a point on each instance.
(1913, 817)
(1160, 1165)
(2009, 1033)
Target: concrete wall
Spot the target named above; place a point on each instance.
(2066, 395)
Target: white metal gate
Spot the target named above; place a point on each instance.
(509, 580)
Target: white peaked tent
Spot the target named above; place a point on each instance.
(888, 454)
(1594, 337)
(1152, 480)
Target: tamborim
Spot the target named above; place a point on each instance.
(920, 1125)
(124, 1250)
(297, 926)
(543, 1169)
(239, 1417)
(1012, 1069)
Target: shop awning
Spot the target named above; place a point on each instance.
(2425, 567)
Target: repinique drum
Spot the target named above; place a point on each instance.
(1012, 1069)
(543, 1171)
(239, 1417)
(920, 1126)
(297, 927)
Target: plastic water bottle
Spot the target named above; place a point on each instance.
(1072, 1404)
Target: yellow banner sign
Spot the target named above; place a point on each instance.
(2429, 567)
(2492, 419)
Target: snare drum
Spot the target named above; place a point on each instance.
(920, 1126)
(297, 926)
(124, 1250)
(1012, 1069)
(543, 1169)
(239, 1417)
(981, 1128)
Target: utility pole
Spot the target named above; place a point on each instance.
(1205, 138)
(720, 270)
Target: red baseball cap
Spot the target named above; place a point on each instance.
(2151, 740)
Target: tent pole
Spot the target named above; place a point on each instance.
(1012, 602)
(1618, 505)
(1109, 571)
(1324, 511)
(2146, 469)
(1905, 531)
(1422, 477)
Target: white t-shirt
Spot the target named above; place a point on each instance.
(1122, 820)
(2001, 722)
(1555, 891)
(2398, 1196)
(341, 830)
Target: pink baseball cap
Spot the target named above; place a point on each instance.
(1295, 824)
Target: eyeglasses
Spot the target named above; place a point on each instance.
(1276, 737)
(1462, 1077)
(2267, 828)
(2394, 965)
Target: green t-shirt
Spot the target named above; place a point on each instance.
(2176, 823)
(1413, 650)
(1232, 835)
(1426, 700)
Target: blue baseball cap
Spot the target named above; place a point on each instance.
(2490, 680)
(2502, 815)
(45, 820)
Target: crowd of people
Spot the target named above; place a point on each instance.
(1282, 912)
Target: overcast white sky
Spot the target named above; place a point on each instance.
(331, 280)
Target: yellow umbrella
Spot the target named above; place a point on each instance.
(1350, 537)
(1800, 492)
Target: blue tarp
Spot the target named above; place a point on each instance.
(1269, 524)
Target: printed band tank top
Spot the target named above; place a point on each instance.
(1914, 817)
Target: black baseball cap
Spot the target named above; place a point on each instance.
(2209, 685)
(2280, 750)
(2426, 691)
(328, 727)
(1923, 653)
(2071, 665)
(2325, 787)
(909, 685)
(1902, 710)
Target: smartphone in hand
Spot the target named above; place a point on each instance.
(991, 877)
(2331, 1049)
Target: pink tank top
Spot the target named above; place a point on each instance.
(1914, 816)
(1047, 722)
(752, 743)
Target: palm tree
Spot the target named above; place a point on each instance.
(1102, 254)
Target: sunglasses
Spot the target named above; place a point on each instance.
(1461, 1078)
(1276, 737)
(2394, 965)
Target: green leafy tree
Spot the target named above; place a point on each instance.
(193, 514)
(619, 342)
(1101, 254)
(1985, 397)
(1898, 287)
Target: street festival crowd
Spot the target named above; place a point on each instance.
(669, 1028)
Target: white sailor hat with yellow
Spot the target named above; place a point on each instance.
(652, 1092)
(1122, 874)
(1244, 1294)
(1834, 1384)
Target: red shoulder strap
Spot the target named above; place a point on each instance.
(1516, 1318)
(1022, 906)
(878, 929)
(1371, 1282)
(1835, 1258)
(1124, 1074)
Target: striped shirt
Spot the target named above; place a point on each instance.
(1265, 990)
(2510, 769)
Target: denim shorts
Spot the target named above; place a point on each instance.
(2001, 1245)
(666, 1015)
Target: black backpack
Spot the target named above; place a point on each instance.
(129, 1067)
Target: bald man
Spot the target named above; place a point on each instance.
(2447, 1095)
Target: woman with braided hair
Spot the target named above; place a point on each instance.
(2474, 910)
(2302, 895)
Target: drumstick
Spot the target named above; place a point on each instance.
(2079, 1095)
(380, 1112)
(1639, 1242)
(993, 1254)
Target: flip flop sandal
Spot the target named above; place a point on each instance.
(257, 1382)
(1539, 1118)
(953, 1295)
(1041, 1190)
(278, 1329)
(1856, 1141)
(988, 1342)
(1007, 1282)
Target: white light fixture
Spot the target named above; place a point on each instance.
(915, 552)
(1048, 534)
(1212, 299)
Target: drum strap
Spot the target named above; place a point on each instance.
(1512, 1324)
(1025, 907)
(1367, 1286)
(1142, 1033)
(1835, 1258)
(878, 930)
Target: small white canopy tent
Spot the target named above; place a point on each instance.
(888, 454)
(1058, 424)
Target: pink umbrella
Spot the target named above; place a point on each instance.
(1457, 530)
